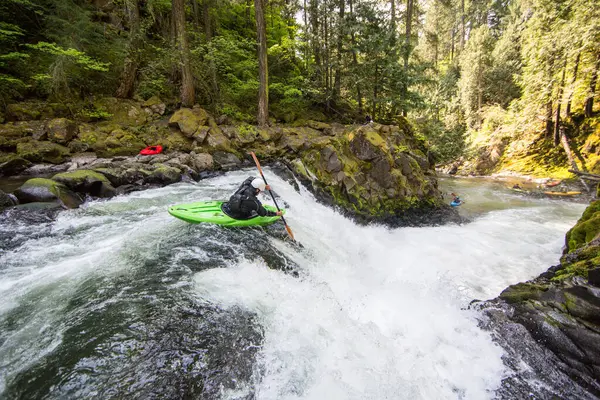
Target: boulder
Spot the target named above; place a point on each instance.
(154, 105)
(380, 173)
(12, 164)
(86, 181)
(123, 112)
(366, 145)
(25, 111)
(330, 159)
(226, 161)
(270, 134)
(320, 126)
(164, 175)
(61, 130)
(189, 120)
(42, 151)
(124, 176)
(47, 190)
(216, 140)
(7, 200)
(201, 162)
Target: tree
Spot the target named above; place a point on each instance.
(188, 96)
(130, 68)
(263, 91)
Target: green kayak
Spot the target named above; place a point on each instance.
(210, 212)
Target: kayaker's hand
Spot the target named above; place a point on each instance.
(268, 187)
(279, 213)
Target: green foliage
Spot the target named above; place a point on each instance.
(75, 56)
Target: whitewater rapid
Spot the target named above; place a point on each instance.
(361, 312)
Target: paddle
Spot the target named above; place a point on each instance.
(287, 228)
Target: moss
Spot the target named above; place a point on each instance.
(79, 176)
(586, 229)
(43, 151)
(522, 292)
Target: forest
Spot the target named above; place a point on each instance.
(459, 70)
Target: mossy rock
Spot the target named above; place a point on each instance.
(586, 229)
(86, 181)
(164, 174)
(24, 111)
(43, 151)
(47, 190)
(124, 138)
(189, 120)
(217, 140)
(90, 134)
(61, 130)
(12, 164)
(123, 112)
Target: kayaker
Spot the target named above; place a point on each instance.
(456, 201)
(243, 204)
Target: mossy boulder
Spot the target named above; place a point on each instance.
(189, 120)
(296, 139)
(25, 111)
(61, 130)
(586, 229)
(43, 151)
(47, 190)
(12, 164)
(216, 140)
(122, 111)
(128, 175)
(164, 174)
(86, 181)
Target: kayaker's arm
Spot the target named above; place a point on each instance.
(263, 212)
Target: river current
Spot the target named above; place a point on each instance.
(118, 299)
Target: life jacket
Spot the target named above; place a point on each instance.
(235, 202)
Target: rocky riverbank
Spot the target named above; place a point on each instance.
(371, 172)
(559, 311)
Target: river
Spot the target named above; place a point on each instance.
(118, 299)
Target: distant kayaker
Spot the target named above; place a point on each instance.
(243, 204)
(456, 201)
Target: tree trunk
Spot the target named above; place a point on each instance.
(393, 21)
(573, 80)
(452, 45)
(306, 40)
(565, 142)
(196, 13)
(375, 94)
(462, 24)
(208, 32)
(326, 60)
(589, 102)
(548, 119)
(314, 20)
(558, 105)
(409, 9)
(125, 89)
(263, 91)
(338, 67)
(355, 61)
(188, 94)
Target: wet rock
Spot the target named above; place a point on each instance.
(226, 161)
(216, 140)
(47, 190)
(11, 164)
(61, 130)
(7, 200)
(164, 175)
(86, 181)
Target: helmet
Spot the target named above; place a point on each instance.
(258, 183)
